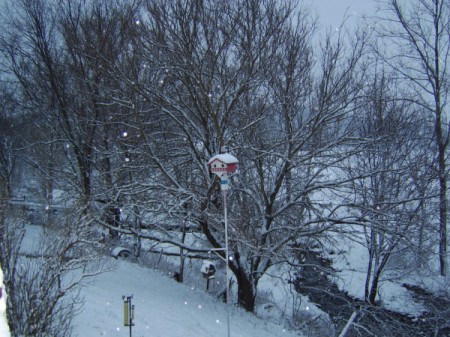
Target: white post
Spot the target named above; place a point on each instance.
(349, 323)
(226, 258)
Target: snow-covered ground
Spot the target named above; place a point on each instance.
(4, 330)
(163, 308)
(351, 271)
(166, 308)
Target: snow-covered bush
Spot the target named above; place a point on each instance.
(43, 274)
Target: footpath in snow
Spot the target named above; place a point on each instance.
(163, 308)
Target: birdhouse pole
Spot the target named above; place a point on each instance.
(227, 257)
(222, 165)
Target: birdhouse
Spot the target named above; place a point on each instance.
(223, 164)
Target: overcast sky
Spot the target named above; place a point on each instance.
(332, 12)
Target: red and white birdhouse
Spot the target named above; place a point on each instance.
(223, 164)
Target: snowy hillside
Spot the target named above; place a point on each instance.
(163, 308)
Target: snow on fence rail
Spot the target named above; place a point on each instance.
(34, 212)
(26, 204)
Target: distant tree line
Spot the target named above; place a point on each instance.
(121, 103)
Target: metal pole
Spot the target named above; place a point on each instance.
(227, 259)
(130, 314)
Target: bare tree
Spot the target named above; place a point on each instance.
(386, 199)
(10, 143)
(417, 48)
(44, 279)
(239, 74)
(59, 54)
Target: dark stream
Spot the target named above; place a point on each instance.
(371, 320)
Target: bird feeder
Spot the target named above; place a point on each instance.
(208, 269)
(128, 312)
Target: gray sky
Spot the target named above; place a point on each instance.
(332, 12)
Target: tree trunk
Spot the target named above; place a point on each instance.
(374, 288)
(441, 143)
(246, 290)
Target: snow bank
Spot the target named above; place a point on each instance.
(350, 276)
(4, 329)
(163, 307)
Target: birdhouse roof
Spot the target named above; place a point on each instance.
(225, 158)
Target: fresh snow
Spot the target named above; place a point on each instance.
(163, 308)
(225, 158)
(4, 330)
(166, 308)
(350, 276)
